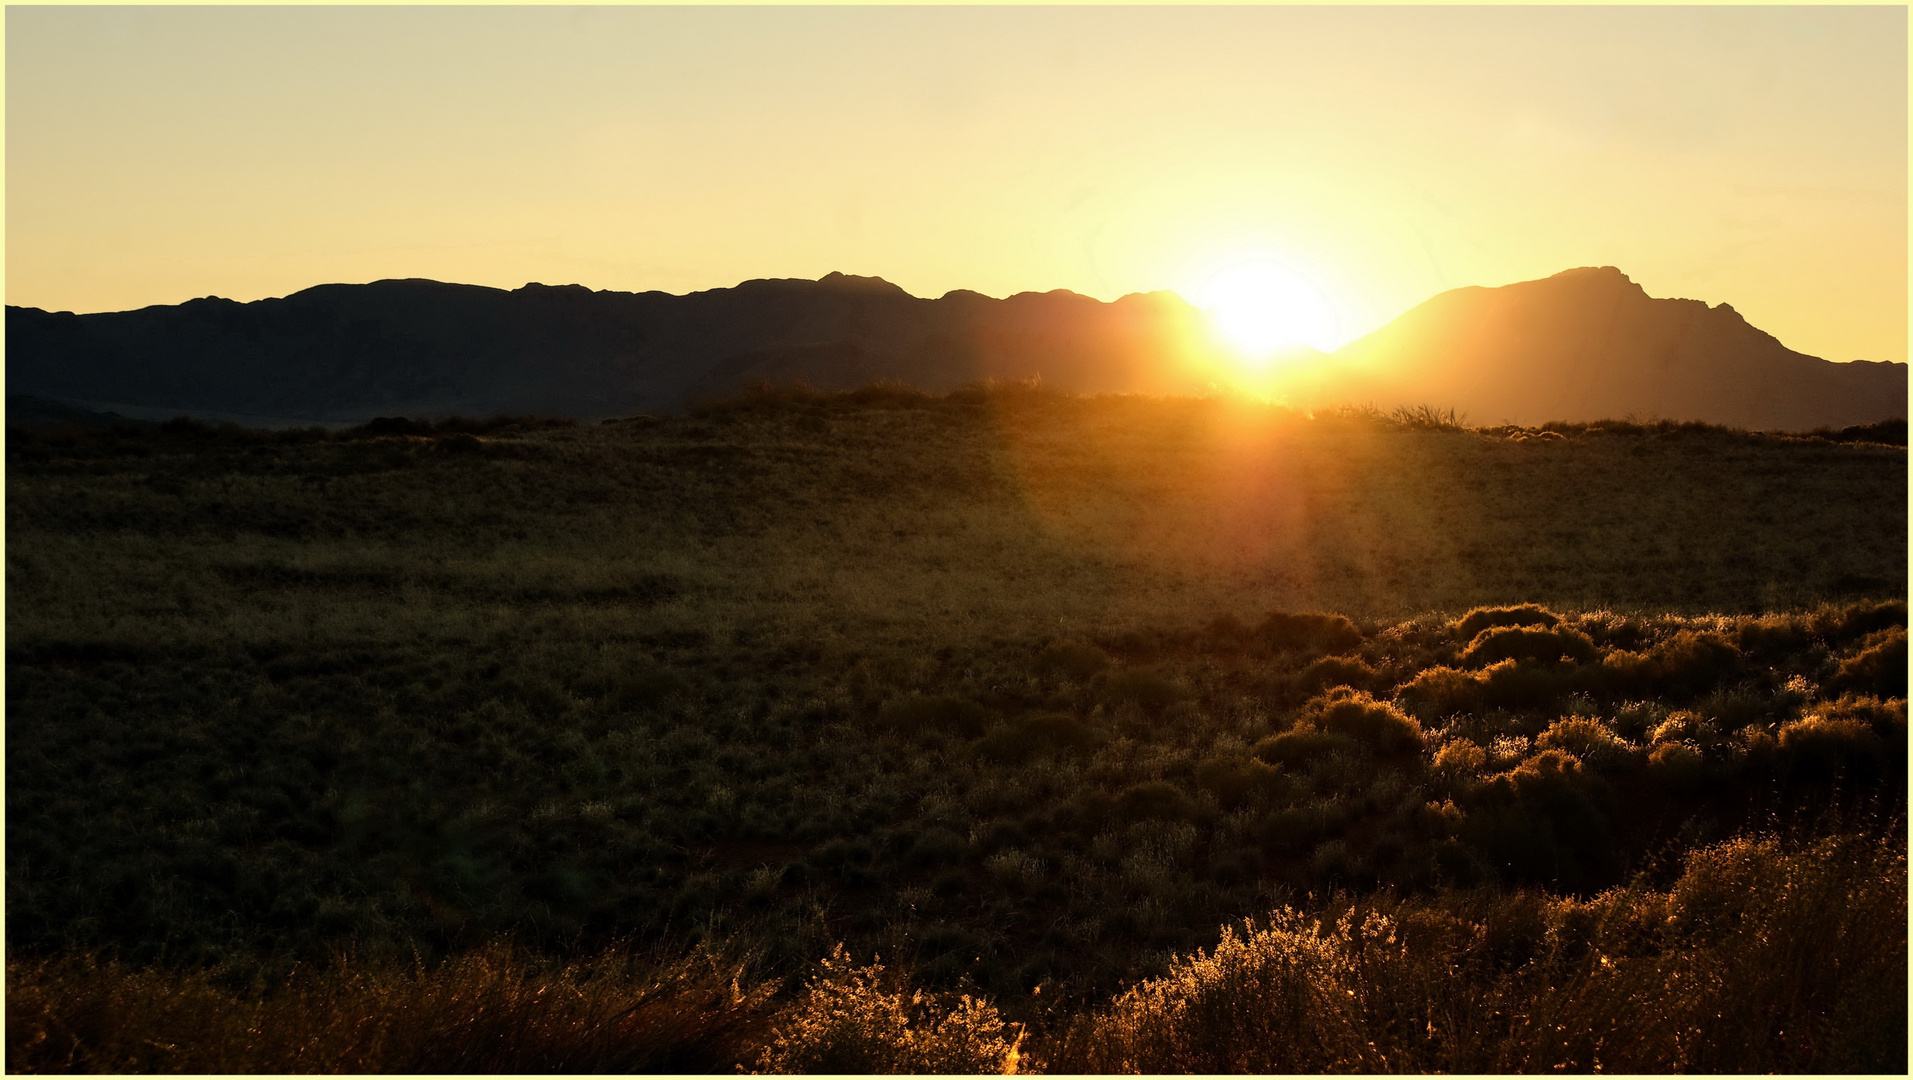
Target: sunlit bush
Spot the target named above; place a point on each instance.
(1679, 765)
(852, 1020)
(1525, 643)
(1440, 691)
(1458, 764)
(1376, 725)
(1270, 999)
(1483, 618)
(1683, 725)
(1690, 662)
(1332, 671)
(1589, 740)
(1829, 743)
(1879, 667)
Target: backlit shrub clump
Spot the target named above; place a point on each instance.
(1524, 643)
(1270, 999)
(852, 1020)
(1588, 739)
(1482, 618)
(1377, 725)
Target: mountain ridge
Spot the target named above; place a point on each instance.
(1587, 343)
(1591, 341)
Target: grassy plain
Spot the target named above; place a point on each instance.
(1005, 686)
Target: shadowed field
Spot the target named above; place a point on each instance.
(1028, 694)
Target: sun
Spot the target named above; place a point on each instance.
(1262, 308)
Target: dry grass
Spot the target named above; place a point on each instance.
(495, 1011)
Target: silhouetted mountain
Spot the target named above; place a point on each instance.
(1589, 344)
(1582, 345)
(349, 352)
(35, 412)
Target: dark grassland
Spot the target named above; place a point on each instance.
(519, 746)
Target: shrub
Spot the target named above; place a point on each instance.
(1473, 623)
(1298, 828)
(1825, 744)
(1775, 635)
(915, 713)
(1589, 740)
(1286, 632)
(1734, 708)
(1861, 619)
(1540, 822)
(1376, 725)
(1071, 659)
(1784, 960)
(1879, 667)
(1758, 958)
(1440, 691)
(1234, 781)
(1679, 765)
(1302, 744)
(1523, 643)
(1689, 663)
(1886, 718)
(1460, 758)
(1716, 886)
(1332, 671)
(1272, 999)
(1685, 726)
(1154, 800)
(850, 1021)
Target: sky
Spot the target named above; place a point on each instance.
(1749, 155)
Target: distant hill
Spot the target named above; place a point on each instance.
(349, 352)
(1589, 344)
(35, 412)
(1582, 345)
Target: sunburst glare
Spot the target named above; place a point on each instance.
(1264, 309)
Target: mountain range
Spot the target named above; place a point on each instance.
(1584, 344)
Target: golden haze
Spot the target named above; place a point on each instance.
(1755, 155)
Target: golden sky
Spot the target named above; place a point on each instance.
(1752, 155)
